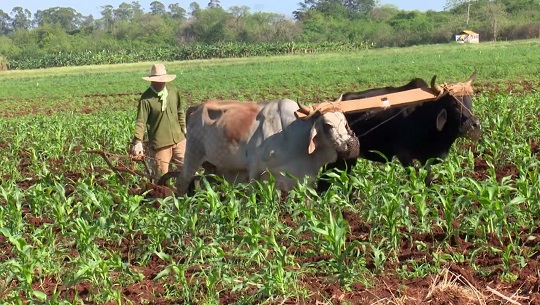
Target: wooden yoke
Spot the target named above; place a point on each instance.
(384, 101)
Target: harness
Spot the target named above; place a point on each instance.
(457, 91)
(385, 101)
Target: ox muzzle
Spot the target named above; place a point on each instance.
(471, 129)
(353, 147)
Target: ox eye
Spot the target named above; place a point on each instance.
(327, 127)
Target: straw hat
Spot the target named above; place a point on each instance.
(159, 74)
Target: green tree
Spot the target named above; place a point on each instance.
(445, 26)
(379, 34)
(124, 12)
(7, 47)
(137, 9)
(494, 12)
(360, 7)
(5, 23)
(412, 27)
(238, 23)
(195, 8)
(149, 29)
(68, 18)
(214, 4)
(461, 7)
(22, 18)
(454, 4)
(209, 26)
(524, 10)
(350, 9)
(177, 12)
(157, 8)
(316, 26)
(384, 13)
(52, 38)
(265, 27)
(88, 24)
(284, 29)
(107, 12)
(26, 42)
(128, 12)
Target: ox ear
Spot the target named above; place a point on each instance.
(312, 134)
(441, 119)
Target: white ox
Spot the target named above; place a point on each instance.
(247, 141)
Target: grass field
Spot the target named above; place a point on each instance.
(74, 232)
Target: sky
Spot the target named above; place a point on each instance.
(285, 7)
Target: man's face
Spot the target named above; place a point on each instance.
(158, 86)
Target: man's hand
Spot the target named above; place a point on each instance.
(137, 148)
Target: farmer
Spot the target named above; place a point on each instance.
(161, 113)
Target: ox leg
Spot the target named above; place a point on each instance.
(192, 161)
(406, 161)
(254, 173)
(429, 176)
(210, 172)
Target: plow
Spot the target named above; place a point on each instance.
(115, 163)
(122, 168)
(381, 102)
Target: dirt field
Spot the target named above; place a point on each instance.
(459, 284)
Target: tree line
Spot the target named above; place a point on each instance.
(25, 34)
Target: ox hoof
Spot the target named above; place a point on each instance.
(163, 180)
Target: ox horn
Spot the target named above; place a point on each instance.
(471, 78)
(438, 89)
(435, 87)
(339, 99)
(304, 109)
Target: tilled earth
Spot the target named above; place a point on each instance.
(457, 284)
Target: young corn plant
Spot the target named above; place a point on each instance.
(450, 206)
(178, 273)
(331, 236)
(252, 238)
(11, 209)
(279, 279)
(22, 266)
(379, 252)
(420, 201)
(389, 220)
(497, 205)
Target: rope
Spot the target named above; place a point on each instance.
(379, 125)
(458, 89)
(455, 90)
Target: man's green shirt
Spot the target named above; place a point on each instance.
(164, 127)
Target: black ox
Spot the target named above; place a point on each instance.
(422, 132)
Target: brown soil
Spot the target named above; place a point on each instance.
(514, 87)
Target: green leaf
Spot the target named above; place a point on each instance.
(162, 273)
(40, 295)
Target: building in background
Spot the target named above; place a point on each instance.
(467, 36)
